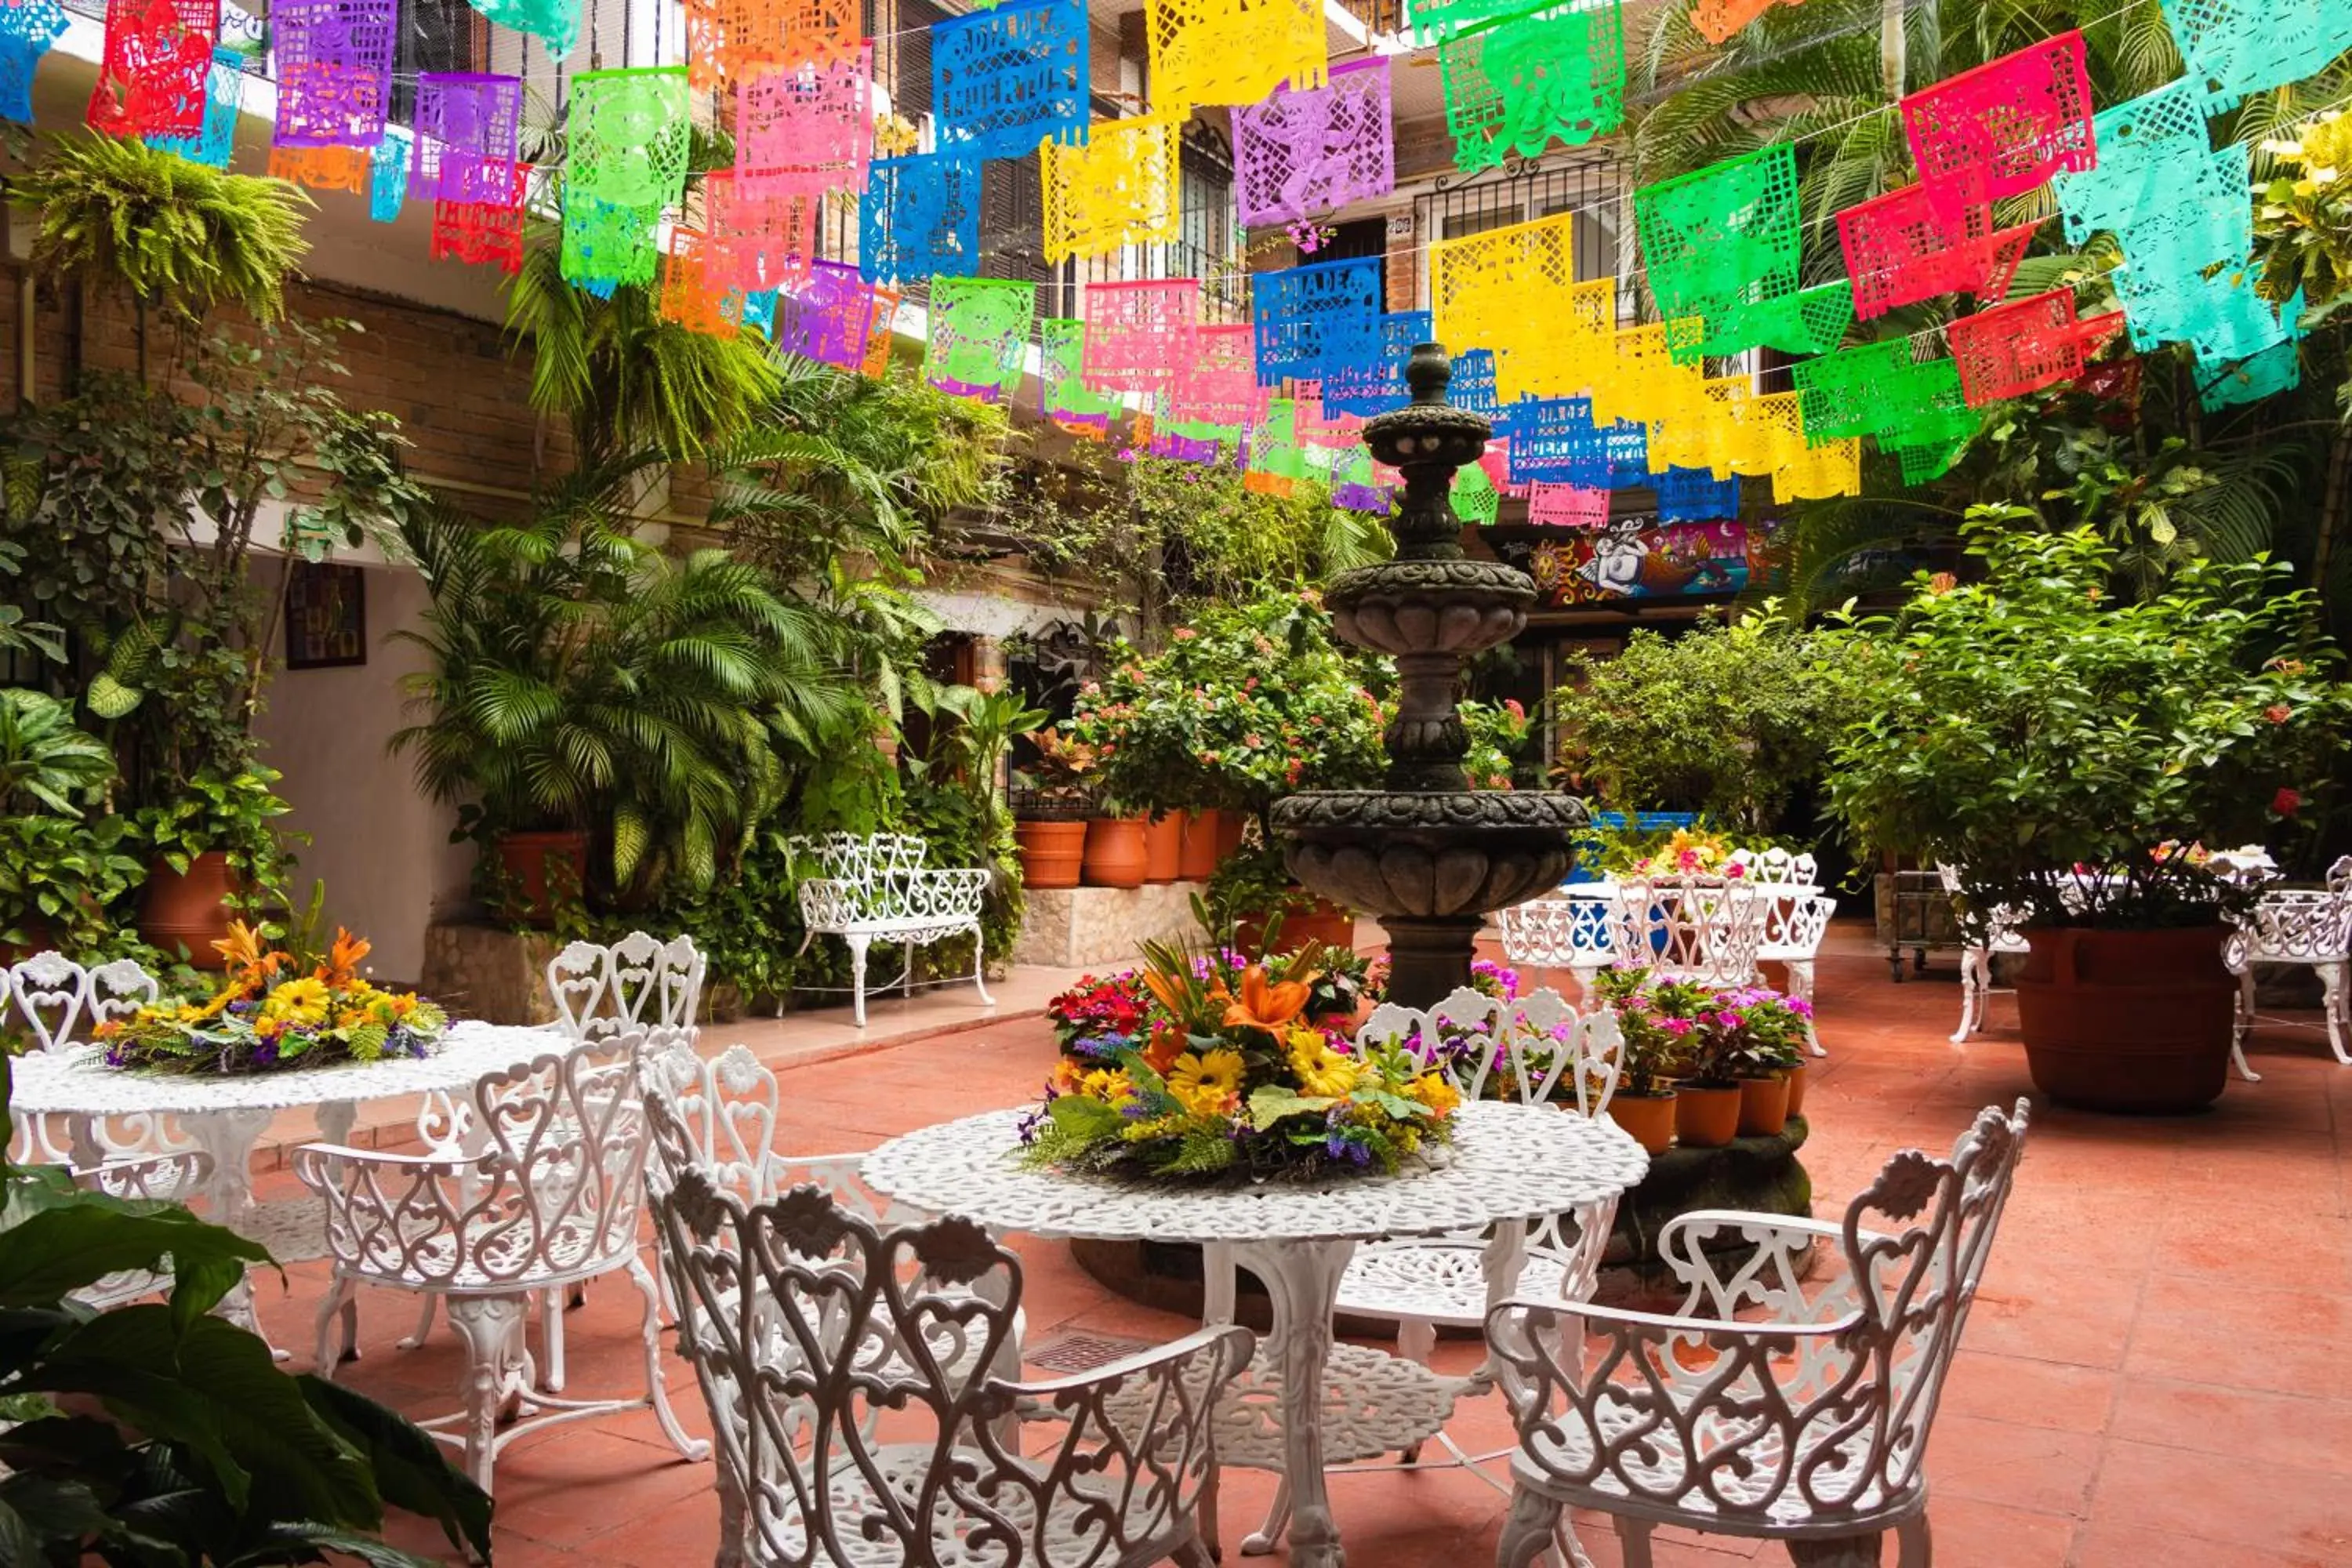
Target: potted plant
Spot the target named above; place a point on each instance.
(1056, 802)
(209, 849)
(2048, 739)
(1644, 1102)
(1115, 852)
(1762, 1042)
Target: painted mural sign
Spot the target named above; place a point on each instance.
(1638, 558)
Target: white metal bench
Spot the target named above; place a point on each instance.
(876, 888)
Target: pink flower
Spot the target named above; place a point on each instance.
(1676, 1026)
(2287, 801)
(1184, 634)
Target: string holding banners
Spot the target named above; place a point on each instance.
(1003, 80)
(152, 72)
(1310, 150)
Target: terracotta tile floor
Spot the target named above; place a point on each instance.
(2158, 1374)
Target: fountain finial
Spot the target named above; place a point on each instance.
(1428, 373)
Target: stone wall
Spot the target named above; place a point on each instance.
(487, 973)
(1077, 928)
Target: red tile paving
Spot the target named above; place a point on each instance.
(2158, 1374)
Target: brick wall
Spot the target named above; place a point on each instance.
(460, 397)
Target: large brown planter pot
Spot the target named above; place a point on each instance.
(1050, 852)
(1763, 1107)
(1797, 1089)
(1230, 828)
(1323, 923)
(1705, 1117)
(1163, 848)
(1198, 860)
(2127, 1020)
(189, 909)
(1114, 853)
(1648, 1118)
(530, 861)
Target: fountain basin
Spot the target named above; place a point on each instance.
(1431, 606)
(1428, 854)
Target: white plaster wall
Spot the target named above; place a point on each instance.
(381, 846)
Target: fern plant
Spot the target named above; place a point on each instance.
(174, 235)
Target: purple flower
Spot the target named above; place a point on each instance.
(1801, 1007)
(265, 1054)
(1676, 1026)
(1031, 1120)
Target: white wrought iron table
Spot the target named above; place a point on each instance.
(117, 1114)
(1507, 1163)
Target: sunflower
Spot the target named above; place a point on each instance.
(1320, 1069)
(1206, 1084)
(302, 1000)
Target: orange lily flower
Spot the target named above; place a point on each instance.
(242, 950)
(1266, 1005)
(1169, 988)
(344, 958)
(1166, 1045)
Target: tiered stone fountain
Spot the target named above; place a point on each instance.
(1425, 855)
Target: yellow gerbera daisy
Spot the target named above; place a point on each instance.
(1435, 1091)
(1322, 1071)
(1206, 1084)
(1108, 1086)
(302, 1000)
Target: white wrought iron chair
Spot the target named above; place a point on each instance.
(61, 1001)
(639, 983)
(1566, 932)
(160, 1178)
(553, 1198)
(1701, 930)
(2292, 925)
(1786, 871)
(1808, 1425)
(2001, 934)
(803, 1319)
(1539, 1050)
(876, 888)
(1793, 930)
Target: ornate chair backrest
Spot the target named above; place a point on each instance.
(1690, 927)
(158, 1178)
(1459, 1035)
(639, 983)
(1555, 933)
(118, 989)
(558, 1186)
(1915, 1288)
(2301, 926)
(726, 1111)
(803, 1320)
(49, 991)
(1778, 868)
(1794, 928)
(2339, 875)
(858, 875)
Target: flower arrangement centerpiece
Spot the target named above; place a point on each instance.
(274, 1013)
(1233, 1078)
(1685, 853)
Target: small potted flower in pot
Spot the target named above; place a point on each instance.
(1761, 1042)
(1644, 1102)
(1056, 802)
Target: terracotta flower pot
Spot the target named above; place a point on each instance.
(1198, 860)
(541, 867)
(1230, 826)
(1115, 852)
(1797, 1089)
(1323, 923)
(2127, 1020)
(1705, 1117)
(1649, 1118)
(1763, 1107)
(1050, 852)
(189, 909)
(1163, 848)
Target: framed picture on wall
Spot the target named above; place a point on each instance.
(326, 616)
